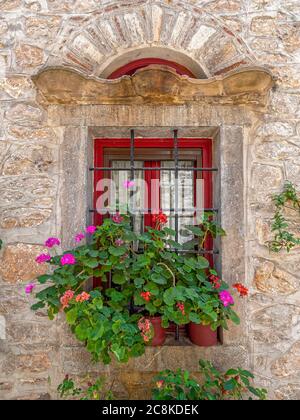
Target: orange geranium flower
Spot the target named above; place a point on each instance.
(82, 297)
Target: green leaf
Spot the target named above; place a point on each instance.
(92, 263)
(81, 331)
(71, 316)
(119, 278)
(186, 375)
(119, 352)
(98, 303)
(157, 302)
(93, 253)
(151, 308)
(152, 288)
(174, 244)
(38, 305)
(158, 279)
(202, 262)
(139, 282)
(98, 331)
(230, 385)
(234, 318)
(247, 374)
(43, 279)
(115, 295)
(195, 230)
(117, 251)
(231, 372)
(194, 318)
(116, 327)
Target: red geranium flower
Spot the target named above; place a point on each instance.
(146, 296)
(243, 291)
(180, 306)
(160, 218)
(216, 281)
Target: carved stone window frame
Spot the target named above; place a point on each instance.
(228, 125)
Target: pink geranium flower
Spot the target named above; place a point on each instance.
(40, 259)
(29, 288)
(68, 259)
(51, 242)
(128, 184)
(226, 298)
(79, 237)
(65, 299)
(91, 229)
(119, 242)
(117, 218)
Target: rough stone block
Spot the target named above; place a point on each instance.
(26, 114)
(18, 263)
(288, 364)
(29, 56)
(270, 279)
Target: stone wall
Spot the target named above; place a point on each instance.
(44, 155)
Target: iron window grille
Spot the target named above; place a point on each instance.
(174, 210)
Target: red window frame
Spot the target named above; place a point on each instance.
(205, 144)
(130, 68)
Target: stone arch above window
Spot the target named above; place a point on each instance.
(90, 42)
(132, 67)
(142, 57)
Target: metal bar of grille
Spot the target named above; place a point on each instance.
(132, 145)
(133, 169)
(176, 162)
(189, 251)
(146, 211)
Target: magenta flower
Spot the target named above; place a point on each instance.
(128, 184)
(91, 229)
(29, 288)
(79, 237)
(119, 242)
(226, 298)
(51, 242)
(68, 259)
(40, 259)
(117, 218)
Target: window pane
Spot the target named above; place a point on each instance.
(185, 194)
(137, 201)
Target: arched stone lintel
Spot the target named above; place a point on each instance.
(133, 54)
(152, 85)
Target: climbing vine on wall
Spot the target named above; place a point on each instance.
(283, 238)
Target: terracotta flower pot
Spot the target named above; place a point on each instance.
(202, 335)
(159, 332)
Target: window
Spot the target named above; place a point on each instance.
(169, 175)
(154, 165)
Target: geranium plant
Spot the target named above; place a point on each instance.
(235, 384)
(213, 303)
(100, 318)
(148, 280)
(91, 391)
